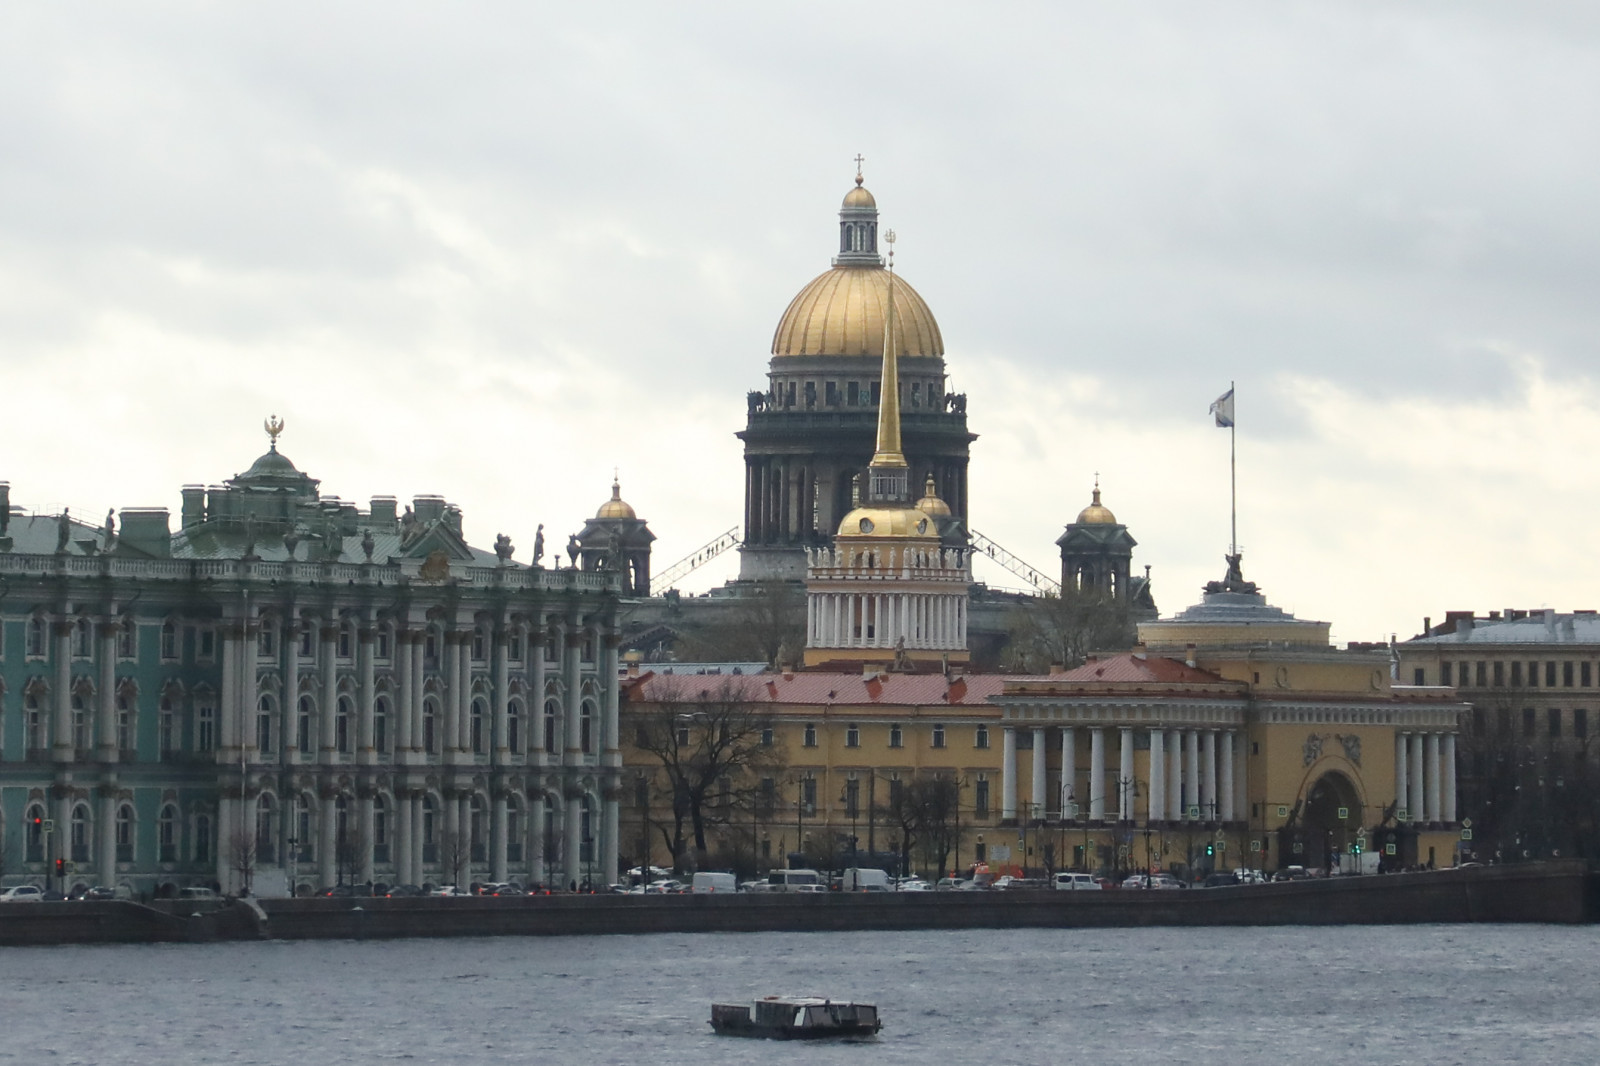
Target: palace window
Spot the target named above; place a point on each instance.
(586, 727)
(264, 731)
(34, 723)
(1566, 674)
(1550, 674)
(767, 736)
(1587, 675)
(166, 728)
(265, 837)
(202, 838)
(35, 648)
(205, 727)
(475, 830)
(897, 738)
(267, 639)
(513, 832)
(343, 734)
(1553, 722)
(82, 737)
(430, 727)
(552, 715)
(980, 797)
(167, 834)
(208, 643)
(80, 834)
(1482, 673)
(128, 639)
(82, 639)
(1444, 673)
(980, 738)
(125, 724)
(475, 728)
(430, 830)
(514, 646)
(302, 726)
(1533, 675)
(852, 394)
(1499, 674)
(169, 640)
(480, 645)
(305, 840)
(1580, 723)
(380, 725)
(514, 727)
(380, 830)
(808, 795)
(308, 647)
(1516, 674)
(383, 643)
(347, 640)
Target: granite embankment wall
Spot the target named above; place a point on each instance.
(1535, 892)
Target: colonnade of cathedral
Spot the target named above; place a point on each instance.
(1193, 774)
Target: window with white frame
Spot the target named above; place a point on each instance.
(169, 640)
(167, 835)
(205, 725)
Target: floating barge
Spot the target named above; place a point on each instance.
(796, 1018)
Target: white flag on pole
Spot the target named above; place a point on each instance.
(1223, 409)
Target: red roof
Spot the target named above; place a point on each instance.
(1129, 667)
(819, 689)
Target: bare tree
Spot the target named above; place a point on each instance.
(349, 853)
(1063, 629)
(713, 745)
(766, 624)
(937, 801)
(242, 857)
(454, 850)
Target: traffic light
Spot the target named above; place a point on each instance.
(1355, 849)
(1211, 849)
(61, 867)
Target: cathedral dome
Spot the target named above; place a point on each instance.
(859, 197)
(930, 503)
(841, 313)
(1096, 514)
(616, 507)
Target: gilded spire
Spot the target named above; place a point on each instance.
(890, 472)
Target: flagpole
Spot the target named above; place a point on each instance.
(1233, 473)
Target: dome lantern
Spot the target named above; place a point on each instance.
(858, 227)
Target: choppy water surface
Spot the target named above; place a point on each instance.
(1429, 994)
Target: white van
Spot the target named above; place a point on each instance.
(1076, 883)
(794, 881)
(707, 881)
(864, 879)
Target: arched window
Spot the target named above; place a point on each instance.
(202, 838)
(167, 835)
(82, 639)
(36, 637)
(33, 833)
(34, 722)
(514, 727)
(430, 830)
(515, 642)
(266, 829)
(380, 725)
(478, 734)
(125, 827)
(167, 727)
(266, 715)
(380, 830)
(81, 735)
(127, 726)
(586, 727)
(205, 726)
(267, 638)
(552, 715)
(430, 727)
(478, 836)
(430, 646)
(302, 726)
(347, 640)
(81, 839)
(169, 640)
(342, 737)
(384, 642)
(128, 639)
(308, 640)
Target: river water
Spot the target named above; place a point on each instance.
(1369, 994)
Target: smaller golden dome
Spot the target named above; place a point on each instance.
(1096, 514)
(615, 507)
(859, 197)
(930, 502)
(908, 523)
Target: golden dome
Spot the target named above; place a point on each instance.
(909, 523)
(615, 507)
(930, 502)
(1096, 514)
(859, 197)
(841, 313)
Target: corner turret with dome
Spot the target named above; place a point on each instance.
(811, 432)
(1097, 558)
(888, 590)
(616, 538)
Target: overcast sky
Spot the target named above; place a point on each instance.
(495, 250)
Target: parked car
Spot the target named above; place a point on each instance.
(913, 884)
(664, 888)
(22, 894)
(1070, 882)
(1219, 880)
(947, 884)
(450, 891)
(104, 892)
(196, 892)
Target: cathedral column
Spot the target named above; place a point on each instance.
(572, 679)
(228, 697)
(1417, 780)
(502, 702)
(249, 684)
(366, 697)
(452, 685)
(1097, 774)
(62, 741)
(610, 704)
(1191, 771)
(330, 694)
(327, 837)
(1125, 781)
(1447, 812)
(464, 697)
(1431, 754)
(1008, 773)
(1208, 776)
(1069, 768)
(106, 739)
(289, 705)
(1041, 791)
(1175, 776)
(419, 662)
(536, 840)
(573, 845)
(227, 821)
(611, 804)
(1402, 786)
(1156, 802)
(106, 840)
(537, 637)
(1225, 789)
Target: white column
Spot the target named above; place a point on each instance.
(227, 821)
(536, 702)
(464, 697)
(366, 696)
(1069, 768)
(612, 809)
(572, 679)
(1008, 773)
(1402, 766)
(227, 725)
(1208, 776)
(368, 824)
(106, 741)
(106, 841)
(1174, 775)
(1125, 783)
(1431, 796)
(573, 848)
(1041, 792)
(249, 688)
(1225, 788)
(327, 840)
(418, 676)
(62, 741)
(497, 839)
(330, 695)
(403, 650)
(402, 838)
(417, 875)
(289, 704)
(1448, 813)
(1191, 771)
(536, 839)
(1097, 774)
(502, 702)
(1418, 781)
(1241, 790)
(1156, 802)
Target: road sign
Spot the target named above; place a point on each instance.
(1466, 823)
(1298, 847)
(1194, 811)
(1222, 845)
(49, 825)
(1072, 810)
(1388, 849)
(1283, 812)
(1466, 834)
(1402, 815)
(71, 867)
(1344, 814)
(1255, 845)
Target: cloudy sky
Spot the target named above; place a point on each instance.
(495, 250)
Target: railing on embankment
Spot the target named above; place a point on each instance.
(1533, 892)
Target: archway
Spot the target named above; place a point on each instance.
(1332, 819)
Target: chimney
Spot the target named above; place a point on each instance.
(144, 529)
(1188, 655)
(1549, 621)
(5, 507)
(1427, 626)
(385, 509)
(194, 505)
(428, 508)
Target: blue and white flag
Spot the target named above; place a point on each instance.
(1223, 409)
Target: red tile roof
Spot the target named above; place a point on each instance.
(1130, 667)
(819, 689)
